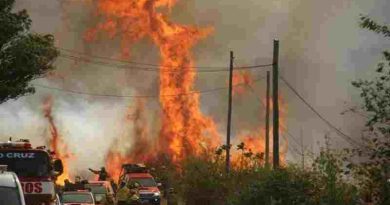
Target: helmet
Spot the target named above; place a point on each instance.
(78, 179)
(133, 185)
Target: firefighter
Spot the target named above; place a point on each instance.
(128, 194)
(67, 185)
(78, 184)
(133, 198)
(122, 195)
(103, 175)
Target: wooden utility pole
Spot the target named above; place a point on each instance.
(275, 100)
(229, 113)
(302, 150)
(267, 121)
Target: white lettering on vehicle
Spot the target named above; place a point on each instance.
(12, 155)
(38, 187)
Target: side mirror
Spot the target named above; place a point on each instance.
(159, 184)
(58, 166)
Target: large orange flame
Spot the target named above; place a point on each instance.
(184, 128)
(141, 149)
(55, 141)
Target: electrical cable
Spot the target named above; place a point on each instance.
(292, 148)
(294, 139)
(135, 96)
(153, 67)
(284, 128)
(134, 67)
(340, 133)
(126, 61)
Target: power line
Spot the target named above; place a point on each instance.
(340, 133)
(251, 88)
(343, 135)
(291, 136)
(152, 67)
(294, 149)
(135, 96)
(124, 96)
(129, 62)
(135, 67)
(296, 142)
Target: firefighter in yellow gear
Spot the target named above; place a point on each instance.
(128, 194)
(122, 195)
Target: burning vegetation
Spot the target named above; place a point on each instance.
(185, 130)
(57, 145)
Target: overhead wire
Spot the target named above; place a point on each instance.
(158, 68)
(294, 139)
(150, 67)
(291, 148)
(127, 61)
(135, 67)
(134, 96)
(340, 133)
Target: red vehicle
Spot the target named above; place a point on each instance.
(36, 169)
(148, 191)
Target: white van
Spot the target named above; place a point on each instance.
(11, 192)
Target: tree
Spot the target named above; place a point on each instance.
(24, 56)
(373, 168)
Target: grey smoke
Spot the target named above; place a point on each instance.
(322, 51)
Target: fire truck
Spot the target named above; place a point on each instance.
(37, 169)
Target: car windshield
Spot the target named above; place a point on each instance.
(76, 198)
(96, 188)
(9, 196)
(145, 182)
(26, 163)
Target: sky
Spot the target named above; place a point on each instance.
(322, 50)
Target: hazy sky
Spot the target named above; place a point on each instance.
(322, 50)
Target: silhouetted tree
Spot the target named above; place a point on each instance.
(24, 55)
